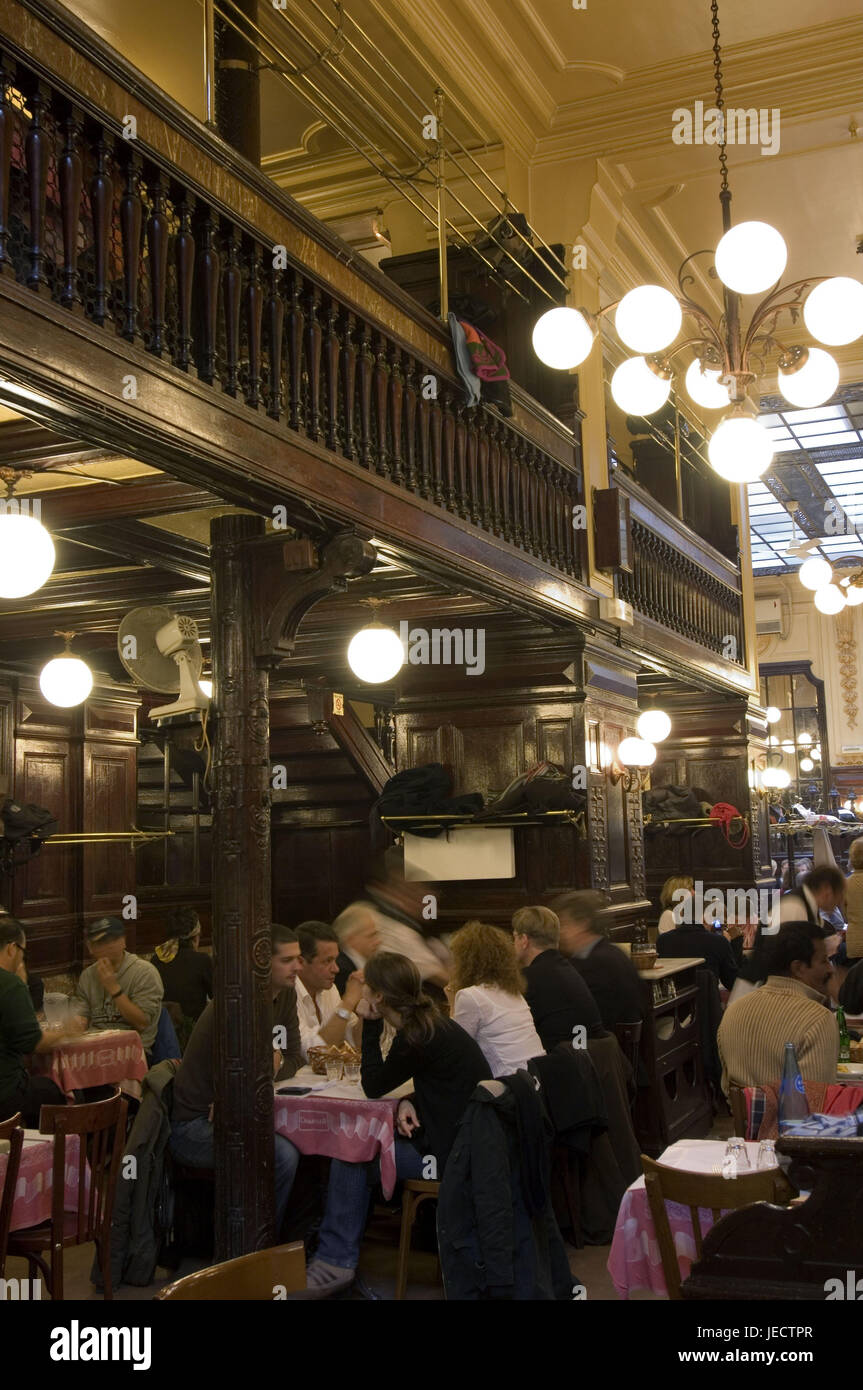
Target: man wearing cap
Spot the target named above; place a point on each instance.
(119, 990)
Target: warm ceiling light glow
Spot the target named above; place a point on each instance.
(814, 573)
(806, 765)
(648, 319)
(637, 389)
(562, 338)
(773, 713)
(775, 778)
(375, 653)
(804, 740)
(853, 595)
(788, 746)
(702, 384)
(830, 599)
(636, 752)
(833, 312)
(653, 725)
(740, 449)
(66, 681)
(751, 257)
(813, 383)
(26, 555)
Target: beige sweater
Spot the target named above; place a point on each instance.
(854, 914)
(755, 1029)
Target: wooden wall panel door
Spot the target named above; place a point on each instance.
(47, 887)
(316, 872)
(109, 804)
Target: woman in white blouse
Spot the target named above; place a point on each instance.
(487, 991)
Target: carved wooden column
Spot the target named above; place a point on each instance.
(243, 1065)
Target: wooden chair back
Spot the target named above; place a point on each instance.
(737, 1101)
(12, 1132)
(259, 1277)
(695, 1191)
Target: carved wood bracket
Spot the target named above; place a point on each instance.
(291, 576)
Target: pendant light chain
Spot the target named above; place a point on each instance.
(725, 194)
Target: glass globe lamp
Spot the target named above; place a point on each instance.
(66, 681)
(653, 725)
(751, 257)
(813, 383)
(563, 338)
(829, 600)
(648, 318)
(740, 448)
(702, 385)
(833, 312)
(375, 653)
(636, 752)
(814, 573)
(26, 555)
(638, 389)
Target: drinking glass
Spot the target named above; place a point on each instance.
(767, 1154)
(56, 1008)
(352, 1073)
(334, 1070)
(736, 1149)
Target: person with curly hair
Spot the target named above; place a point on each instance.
(488, 998)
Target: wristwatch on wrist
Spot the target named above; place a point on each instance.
(117, 995)
(345, 1014)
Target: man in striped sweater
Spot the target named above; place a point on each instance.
(790, 1007)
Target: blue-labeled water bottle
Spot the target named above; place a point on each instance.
(792, 1097)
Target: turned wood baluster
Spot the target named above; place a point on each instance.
(436, 420)
(254, 304)
(542, 466)
(532, 467)
(409, 399)
(506, 484)
(569, 545)
(157, 247)
(296, 325)
(473, 501)
(131, 220)
(527, 538)
(483, 448)
(495, 481)
(365, 369)
(448, 454)
(70, 177)
(349, 380)
(274, 333)
(332, 353)
(314, 343)
(461, 497)
(102, 208)
(381, 392)
(184, 264)
(37, 155)
(207, 276)
(424, 407)
(396, 410)
(7, 136)
(559, 519)
(232, 294)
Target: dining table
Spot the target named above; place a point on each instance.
(113, 1057)
(337, 1120)
(34, 1188)
(634, 1261)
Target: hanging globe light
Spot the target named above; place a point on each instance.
(830, 599)
(67, 680)
(813, 382)
(563, 338)
(639, 387)
(648, 319)
(816, 753)
(853, 595)
(375, 653)
(806, 765)
(833, 312)
(636, 752)
(782, 779)
(740, 449)
(653, 725)
(26, 554)
(804, 740)
(814, 573)
(702, 385)
(773, 713)
(751, 257)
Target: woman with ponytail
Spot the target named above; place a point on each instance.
(445, 1064)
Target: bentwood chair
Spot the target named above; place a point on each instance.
(415, 1192)
(11, 1144)
(260, 1277)
(737, 1101)
(101, 1131)
(698, 1191)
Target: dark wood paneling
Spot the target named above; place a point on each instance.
(109, 871)
(45, 774)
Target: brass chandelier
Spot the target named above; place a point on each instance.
(727, 357)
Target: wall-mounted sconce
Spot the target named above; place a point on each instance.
(773, 779)
(631, 767)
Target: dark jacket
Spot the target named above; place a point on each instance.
(346, 970)
(497, 1236)
(188, 979)
(135, 1239)
(285, 1016)
(559, 1000)
(715, 949)
(613, 981)
(445, 1072)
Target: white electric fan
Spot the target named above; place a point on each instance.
(161, 651)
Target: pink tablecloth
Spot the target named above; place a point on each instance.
(355, 1130)
(96, 1059)
(32, 1203)
(634, 1261)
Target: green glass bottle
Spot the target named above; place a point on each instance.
(844, 1039)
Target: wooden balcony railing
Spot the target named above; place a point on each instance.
(113, 230)
(679, 581)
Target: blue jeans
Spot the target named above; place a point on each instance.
(192, 1143)
(348, 1199)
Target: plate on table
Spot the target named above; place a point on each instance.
(850, 1068)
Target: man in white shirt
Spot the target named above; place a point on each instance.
(821, 891)
(325, 1016)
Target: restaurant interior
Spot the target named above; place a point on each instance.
(432, 438)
